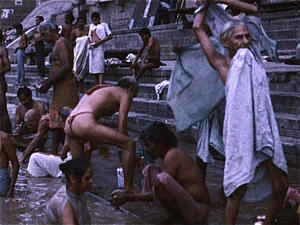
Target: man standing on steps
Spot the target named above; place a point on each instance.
(5, 124)
(61, 78)
(39, 49)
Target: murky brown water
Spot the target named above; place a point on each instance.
(32, 195)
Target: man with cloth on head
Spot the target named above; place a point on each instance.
(61, 78)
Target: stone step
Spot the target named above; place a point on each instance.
(281, 24)
(283, 34)
(288, 124)
(286, 102)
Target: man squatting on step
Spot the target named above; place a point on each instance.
(251, 136)
(179, 187)
(83, 123)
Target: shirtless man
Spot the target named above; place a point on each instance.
(61, 78)
(83, 123)
(39, 48)
(152, 55)
(240, 149)
(25, 97)
(7, 154)
(20, 50)
(180, 186)
(77, 33)
(5, 123)
(68, 26)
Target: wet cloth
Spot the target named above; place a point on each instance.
(81, 54)
(4, 181)
(64, 94)
(96, 55)
(250, 131)
(195, 87)
(42, 165)
(56, 206)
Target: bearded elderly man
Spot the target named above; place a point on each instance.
(61, 78)
(251, 136)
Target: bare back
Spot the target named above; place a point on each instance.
(23, 41)
(187, 173)
(153, 49)
(4, 61)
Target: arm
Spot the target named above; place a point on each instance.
(12, 156)
(99, 42)
(123, 113)
(42, 130)
(73, 37)
(68, 216)
(18, 116)
(6, 64)
(139, 54)
(120, 198)
(247, 8)
(65, 149)
(215, 59)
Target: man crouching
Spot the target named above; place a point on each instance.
(180, 187)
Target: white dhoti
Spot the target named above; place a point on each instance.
(96, 60)
(80, 56)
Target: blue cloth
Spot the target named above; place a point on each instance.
(21, 70)
(4, 181)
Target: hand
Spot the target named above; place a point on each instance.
(44, 88)
(139, 162)
(117, 198)
(10, 193)
(63, 155)
(176, 47)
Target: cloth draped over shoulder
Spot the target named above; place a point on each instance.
(251, 134)
(81, 54)
(64, 94)
(192, 211)
(56, 206)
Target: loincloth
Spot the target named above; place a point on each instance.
(64, 94)
(4, 181)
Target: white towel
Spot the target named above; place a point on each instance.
(80, 56)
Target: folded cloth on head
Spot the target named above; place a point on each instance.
(4, 181)
(250, 131)
(81, 54)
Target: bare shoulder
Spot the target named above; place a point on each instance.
(175, 154)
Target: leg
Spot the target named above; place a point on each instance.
(133, 71)
(81, 84)
(96, 78)
(101, 78)
(144, 67)
(233, 204)
(280, 186)
(202, 165)
(57, 134)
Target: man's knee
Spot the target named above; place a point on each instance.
(280, 187)
(239, 192)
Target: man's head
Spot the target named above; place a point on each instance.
(69, 18)
(81, 21)
(38, 20)
(49, 30)
(235, 35)
(32, 118)
(145, 33)
(95, 18)
(25, 96)
(19, 28)
(157, 137)
(64, 112)
(130, 84)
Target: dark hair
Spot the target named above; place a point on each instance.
(1, 36)
(76, 167)
(128, 82)
(18, 26)
(145, 30)
(70, 16)
(24, 91)
(81, 18)
(64, 112)
(158, 132)
(40, 18)
(95, 15)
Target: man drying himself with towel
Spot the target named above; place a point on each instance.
(251, 136)
(61, 78)
(99, 33)
(179, 187)
(83, 123)
(151, 57)
(7, 153)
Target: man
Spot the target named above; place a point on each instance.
(251, 136)
(60, 77)
(79, 40)
(83, 123)
(99, 33)
(5, 123)
(152, 54)
(20, 50)
(25, 97)
(68, 26)
(7, 154)
(39, 49)
(180, 187)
